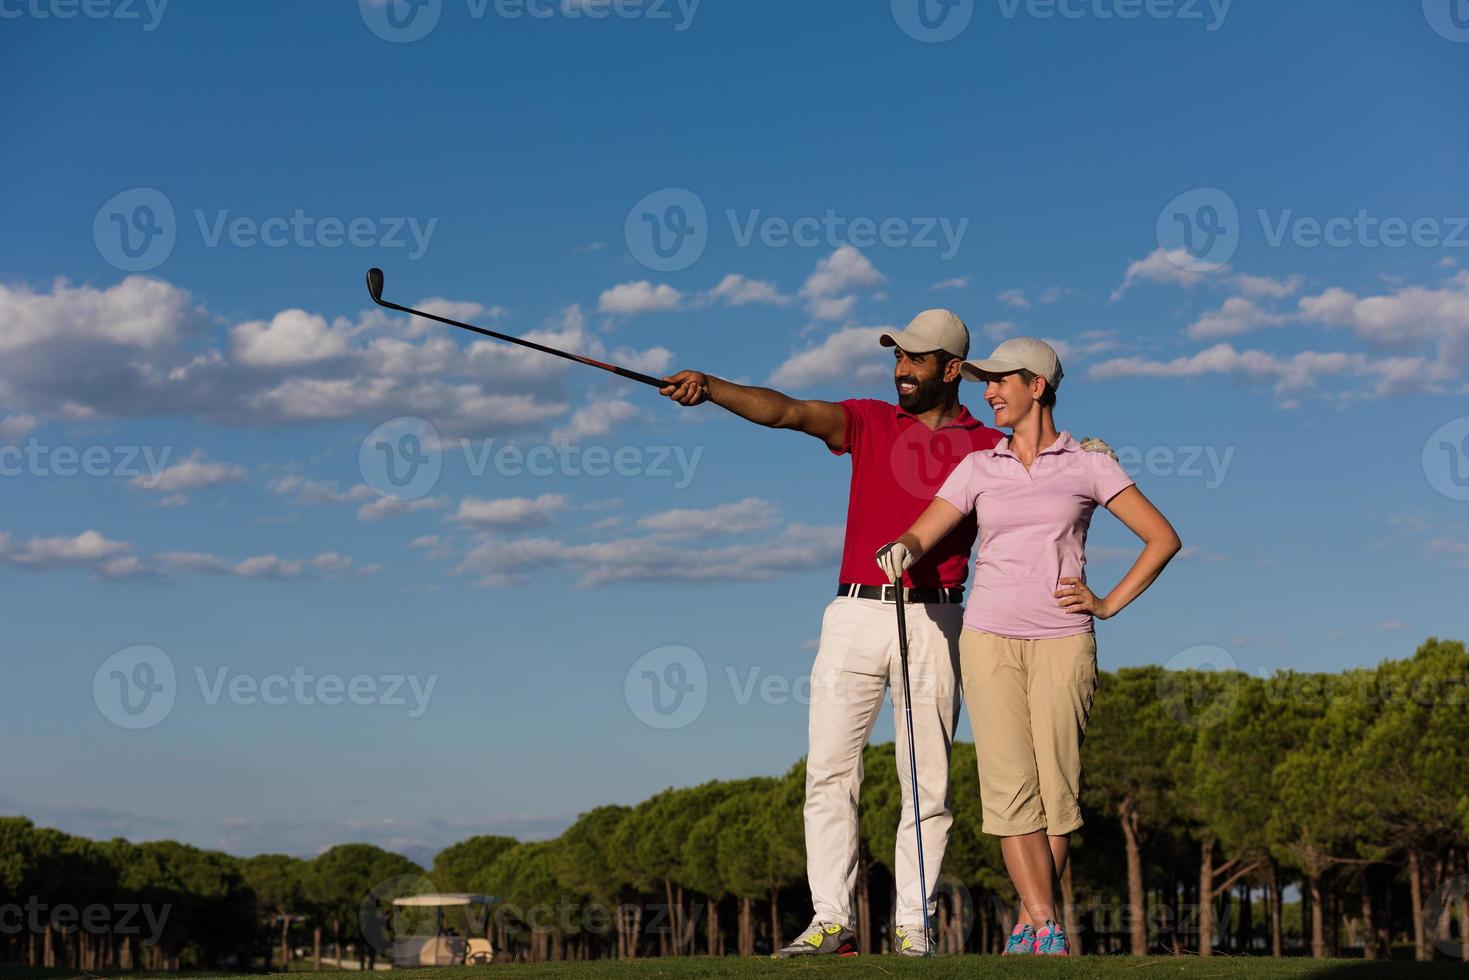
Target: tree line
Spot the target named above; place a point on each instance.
(1301, 813)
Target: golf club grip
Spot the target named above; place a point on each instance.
(590, 362)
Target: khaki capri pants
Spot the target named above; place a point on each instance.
(1028, 704)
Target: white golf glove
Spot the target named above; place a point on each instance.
(894, 559)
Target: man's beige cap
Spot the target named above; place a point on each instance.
(931, 330)
(1017, 354)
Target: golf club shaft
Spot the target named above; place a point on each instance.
(590, 362)
(912, 755)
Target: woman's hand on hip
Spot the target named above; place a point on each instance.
(1074, 597)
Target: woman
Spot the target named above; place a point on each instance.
(1027, 650)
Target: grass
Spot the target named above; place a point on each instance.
(880, 967)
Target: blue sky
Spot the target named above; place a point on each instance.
(1290, 392)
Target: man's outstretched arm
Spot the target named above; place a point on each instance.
(763, 406)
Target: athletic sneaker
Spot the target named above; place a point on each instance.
(820, 938)
(1051, 941)
(911, 942)
(1021, 941)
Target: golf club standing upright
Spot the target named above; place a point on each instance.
(912, 756)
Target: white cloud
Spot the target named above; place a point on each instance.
(831, 307)
(639, 297)
(1000, 330)
(852, 352)
(15, 426)
(384, 507)
(510, 512)
(304, 491)
(736, 290)
(497, 564)
(269, 567)
(194, 473)
(88, 549)
(842, 271)
(138, 313)
(1288, 373)
(292, 338)
(1170, 268)
(596, 418)
(1238, 315)
(143, 349)
(1265, 286)
(957, 282)
(1412, 314)
(1015, 298)
(741, 517)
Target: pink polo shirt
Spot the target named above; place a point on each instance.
(1032, 532)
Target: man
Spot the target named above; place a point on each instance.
(901, 455)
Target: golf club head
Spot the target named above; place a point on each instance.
(375, 284)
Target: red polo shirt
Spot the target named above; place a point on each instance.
(898, 464)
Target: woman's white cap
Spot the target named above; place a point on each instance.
(1018, 354)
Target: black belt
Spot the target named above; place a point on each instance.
(888, 593)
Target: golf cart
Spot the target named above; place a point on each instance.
(445, 948)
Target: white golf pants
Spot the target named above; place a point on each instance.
(856, 663)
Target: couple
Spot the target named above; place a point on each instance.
(927, 479)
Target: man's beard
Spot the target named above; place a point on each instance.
(928, 395)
